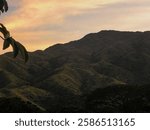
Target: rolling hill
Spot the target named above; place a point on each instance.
(62, 77)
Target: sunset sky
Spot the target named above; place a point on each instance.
(38, 24)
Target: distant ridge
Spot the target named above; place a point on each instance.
(65, 72)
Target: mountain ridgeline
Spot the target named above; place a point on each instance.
(108, 71)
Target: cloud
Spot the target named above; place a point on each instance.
(36, 13)
(36, 22)
(41, 23)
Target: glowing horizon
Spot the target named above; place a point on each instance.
(39, 25)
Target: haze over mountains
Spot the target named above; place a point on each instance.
(63, 77)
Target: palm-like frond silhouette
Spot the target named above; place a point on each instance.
(8, 40)
(3, 6)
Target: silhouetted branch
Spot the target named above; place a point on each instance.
(8, 40)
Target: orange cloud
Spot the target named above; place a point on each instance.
(41, 23)
(31, 15)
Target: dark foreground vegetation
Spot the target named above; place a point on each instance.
(112, 99)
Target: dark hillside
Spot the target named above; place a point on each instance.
(64, 75)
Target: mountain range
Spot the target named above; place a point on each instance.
(108, 71)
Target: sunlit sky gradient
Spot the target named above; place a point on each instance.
(39, 24)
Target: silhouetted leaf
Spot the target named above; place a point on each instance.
(6, 44)
(4, 31)
(14, 46)
(23, 51)
(5, 6)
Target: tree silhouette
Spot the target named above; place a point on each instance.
(8, 40)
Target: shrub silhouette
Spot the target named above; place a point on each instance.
(8, 40)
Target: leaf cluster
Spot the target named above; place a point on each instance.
(8, 40)
(17, 47)
(3, 6)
